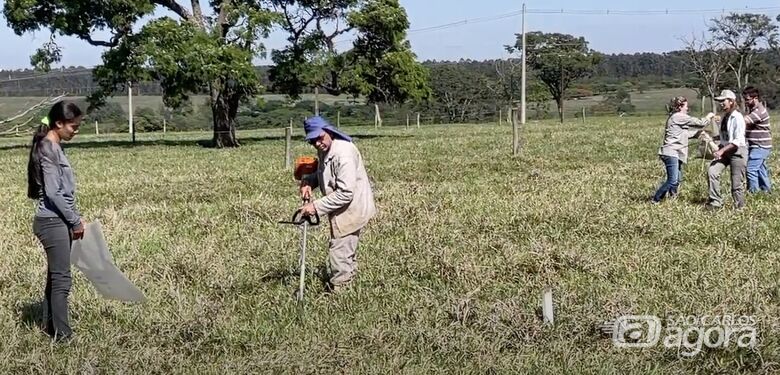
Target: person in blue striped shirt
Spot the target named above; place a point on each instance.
(759, 139)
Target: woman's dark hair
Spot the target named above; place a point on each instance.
(62, 111)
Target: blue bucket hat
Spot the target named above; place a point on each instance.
(314, 126)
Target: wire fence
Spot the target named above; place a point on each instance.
(150, 116)
(416, 120)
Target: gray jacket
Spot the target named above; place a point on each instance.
(677, 134)
(58, 185)
(342, 178)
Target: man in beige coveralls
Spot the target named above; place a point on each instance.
(348, 200)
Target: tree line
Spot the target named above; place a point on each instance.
(648, 69)
(462, 91)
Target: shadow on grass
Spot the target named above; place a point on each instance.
(691, 198)
(31, 314)
(698, 200)
(204, 143)
(640, 197)
(279, 276)
(290, 276)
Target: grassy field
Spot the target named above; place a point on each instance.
(650, 101)
(451, 269)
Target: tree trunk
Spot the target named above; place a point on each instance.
(559, 101)
(224, 108)
(711, 87)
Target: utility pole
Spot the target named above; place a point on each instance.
(130, 110)
(522, 89)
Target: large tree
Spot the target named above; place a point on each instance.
(379, 64)
(742, 36)
(187, 51)
(462, 93)
(508, 73)
(707, 61)
(558, 60)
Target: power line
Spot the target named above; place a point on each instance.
(650, 12)
(451, 24)
(604, 12)
(466, 21)
(592, 12)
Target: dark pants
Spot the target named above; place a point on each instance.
(674, 169)
(56, 239)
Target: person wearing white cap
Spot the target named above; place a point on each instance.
(732, 153)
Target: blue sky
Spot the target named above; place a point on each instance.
(479, 40)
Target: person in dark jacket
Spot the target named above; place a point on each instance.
(57, 222)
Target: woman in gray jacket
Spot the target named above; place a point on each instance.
(674, 151)
(347, 200)
(50, 181)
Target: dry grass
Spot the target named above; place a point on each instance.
(451, 270)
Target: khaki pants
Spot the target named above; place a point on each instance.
(738, 164)
(342, 256)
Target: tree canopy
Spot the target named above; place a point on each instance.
(558, 60)
(380, 65)
(192, 50)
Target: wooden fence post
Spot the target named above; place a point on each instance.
(547, 306)
(288, 147)
(515, 131)
(377, 117)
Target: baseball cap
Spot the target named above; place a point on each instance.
(726, 94)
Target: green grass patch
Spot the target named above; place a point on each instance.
(451, 269)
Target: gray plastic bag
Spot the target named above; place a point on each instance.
(91, 256)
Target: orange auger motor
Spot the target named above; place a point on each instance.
(304, 165)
